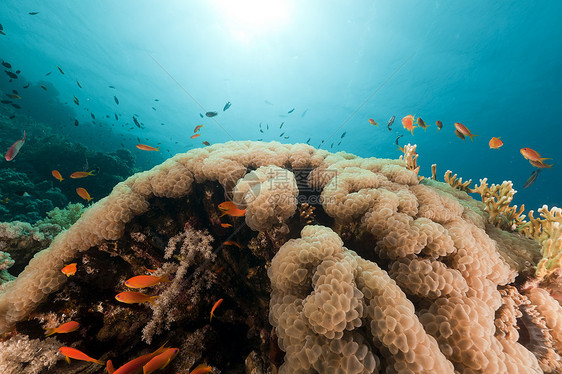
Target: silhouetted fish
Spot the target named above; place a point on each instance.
(27, 85)
(390, 122)
(33, 13)
(5, 101)
(211, 114)
(78, 83)
(342, 135)
(136, 122)
(111, 86)
(532, 178)
(11, 75)
(16, 106)
(76, 122)
(291, 111)
(12, 117)
(49, 73)
(6, 64)
(116, 99)
(200, 115)
(116, 118)
(304, 113)
(308, 141)
(62, 72)
(226, 106)
(93, 117)
(398, 137)
(281, 125)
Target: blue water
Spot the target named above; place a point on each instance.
(496, 67)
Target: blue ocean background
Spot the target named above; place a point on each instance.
(496, 67)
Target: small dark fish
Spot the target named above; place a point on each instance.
(60, 69)
(156, 100)
(226, 106)
(342, 135)
(398, 137)
(76, 123)
(18, 71)
(291, 111)
(259, 140)
(43, 87)
(93, 117)
(439, 125)
(116, 99)
(211, 114)
(15, 92)
(1, 27)
(153, 108)
(136, 122)
(111, 86)
(16, 106)
(13, 96)
(26, 86)
(116, 118)
(267, 125)
(532, 178)
(304, 113)
(281, 125)
(459, 134)
(268, 102)
(282, 134)
(200, 115)
(2, 31)
(261, 131)
(308, 141)
(33, 13)
(6, 64)
(286, 137)
(78, 83)
(5, 101)
(390, 122)
(11, 75)
(12, 117)
(107, 116)
(49, 73)
(76, 101)
(138, 139)
(339, 142)
(206, 143)
(162, 124)
(332, 146)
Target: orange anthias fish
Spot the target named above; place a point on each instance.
(56, 174)
(160, 361)
(134, 365)
(15, 148)
(145, 147)
(225, 225)
(132, 297)
(232, 242)
(540, 165)
(69, 269)
(82, 174)
(77, 355)
(195, 135)
(228, 207)
(215, 307)
(421, 123)
(464, 131)
(495, 143)
(83, 194)
(373, 122)
(532, 155)
(197, 128)
(408, 123)
(142, 281)
(201, 369)
(63, 329)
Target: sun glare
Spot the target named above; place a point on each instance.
(253, 17)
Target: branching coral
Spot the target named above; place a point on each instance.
(497, 199)
(410, 157)
(457, 183)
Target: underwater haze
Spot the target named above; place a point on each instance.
(109, 75)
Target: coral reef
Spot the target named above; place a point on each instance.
(399, 273)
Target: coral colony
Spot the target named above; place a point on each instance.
(256, 257)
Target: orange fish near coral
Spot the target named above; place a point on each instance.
(232, 242)
(142, 281)
(15, 148)
(201, 369)
(74, 353)
(532, 155)
(134, 365)
(421, 123)
(195, 136)
(63, 329)
(56, 174)
(160, 361)
(464, 131)
(197, 128)
(206, 143)
(69, 270)
(215, 307)
(132, 297)
(82, 174)
(408, 123)
(145, 147)
(83, 194)
(229, 208)
(373, 122)
(495, 143)
(225, 225)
